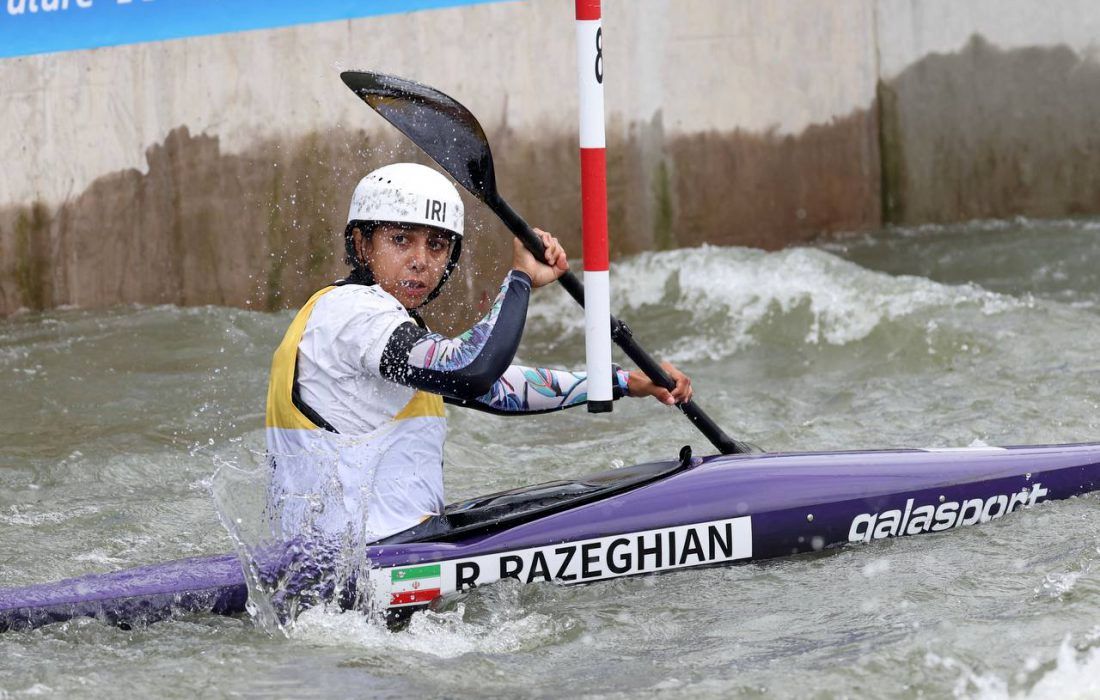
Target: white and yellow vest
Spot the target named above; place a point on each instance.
(358, 487)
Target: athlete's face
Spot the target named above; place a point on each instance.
(407, 261)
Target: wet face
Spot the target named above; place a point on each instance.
(407, 261)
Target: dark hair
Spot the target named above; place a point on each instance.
(351, 257)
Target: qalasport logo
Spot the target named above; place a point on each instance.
(941, 516)
(577, 562)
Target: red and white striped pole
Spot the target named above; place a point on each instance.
(597, 287)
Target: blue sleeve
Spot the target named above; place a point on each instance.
(524, 390)
(464, 367)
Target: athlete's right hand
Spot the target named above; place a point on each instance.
(541, 273)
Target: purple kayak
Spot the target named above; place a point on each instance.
(642, 519)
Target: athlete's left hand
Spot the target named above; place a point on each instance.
(638, 384)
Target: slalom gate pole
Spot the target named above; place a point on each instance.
(597, 288)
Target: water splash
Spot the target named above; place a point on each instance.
(289, 574)
(505, 618)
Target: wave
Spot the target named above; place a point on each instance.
(722, 299)
(1073, 673)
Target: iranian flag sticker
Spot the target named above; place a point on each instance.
(414, 584)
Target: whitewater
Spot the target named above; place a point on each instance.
(977, 334)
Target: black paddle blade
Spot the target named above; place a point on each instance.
(450, 134)
(435, 122)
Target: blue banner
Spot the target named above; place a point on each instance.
(45, 26)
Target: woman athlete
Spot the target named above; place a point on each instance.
(355, 422)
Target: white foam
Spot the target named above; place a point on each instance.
(1075, 674)
(38, 689)
(440, 634)
(875, 567)
(1056, 585)
(26, 515)
(740, 289)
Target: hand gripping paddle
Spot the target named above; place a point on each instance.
(454, 139)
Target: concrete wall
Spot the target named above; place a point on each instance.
(989, 108)
(217, 169)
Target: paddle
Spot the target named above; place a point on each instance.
(454, 139)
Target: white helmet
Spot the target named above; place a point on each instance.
(408, 193)
(404, 193)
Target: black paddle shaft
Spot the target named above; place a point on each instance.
(451, 135)
(620, 332)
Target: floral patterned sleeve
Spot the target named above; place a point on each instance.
(474, 368)
(463, 367)
(536, 390)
